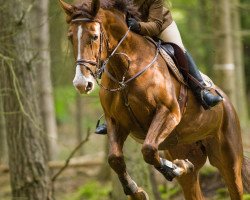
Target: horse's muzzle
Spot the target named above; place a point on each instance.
(83, 87)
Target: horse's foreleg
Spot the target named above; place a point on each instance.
(162, 125)
(117, 137)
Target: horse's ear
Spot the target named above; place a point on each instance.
(68, 9)
(95, 6)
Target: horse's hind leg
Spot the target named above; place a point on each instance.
(190, 182)
(226, 153)
(117, 137)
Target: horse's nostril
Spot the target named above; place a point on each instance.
(89, 86)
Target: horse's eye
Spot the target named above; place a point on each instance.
(95, 37)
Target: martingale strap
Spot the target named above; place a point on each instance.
(183, 98)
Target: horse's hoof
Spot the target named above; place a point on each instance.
(185, 165)
(139, 195)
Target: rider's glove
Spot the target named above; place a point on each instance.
(134, 25)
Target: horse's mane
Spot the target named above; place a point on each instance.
(125, 6)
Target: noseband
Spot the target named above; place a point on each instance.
(102, 65)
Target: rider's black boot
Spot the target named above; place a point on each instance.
(101, 129)
(204, 96)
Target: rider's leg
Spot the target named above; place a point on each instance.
(172, 34)
(206, 98)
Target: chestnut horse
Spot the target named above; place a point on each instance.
(139, 96)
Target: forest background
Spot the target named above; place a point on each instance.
(216, 32)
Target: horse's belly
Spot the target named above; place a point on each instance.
(138, 137)
(200, 126)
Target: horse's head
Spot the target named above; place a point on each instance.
(94, 34)
(85, 35)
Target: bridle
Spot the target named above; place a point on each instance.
(96, 63)
(101, 66)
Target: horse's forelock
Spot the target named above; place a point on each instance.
(80, 8)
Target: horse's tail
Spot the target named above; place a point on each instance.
(246, 174)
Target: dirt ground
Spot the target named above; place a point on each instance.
(72, 179)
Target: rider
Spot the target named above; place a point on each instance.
(156, 21)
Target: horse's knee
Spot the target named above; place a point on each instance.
(149, 153)
(115, 160)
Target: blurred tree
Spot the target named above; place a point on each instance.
(205, 35)
(193, 20)
(224, 67)
(239, 64)
(61, 57)
(105, 171)
(79, 127)
(137, 169)
(43, 64)
(245, 23)
(26, 143)
(3, 150)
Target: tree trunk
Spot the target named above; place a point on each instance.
(206, 35)
(3, 147)
(46, 100)
(239, 65)
(137, 169)
(25, 138)
(224, 67)
(60, 51)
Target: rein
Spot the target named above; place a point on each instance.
(102, 65)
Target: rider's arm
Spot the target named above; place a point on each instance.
(155, 20)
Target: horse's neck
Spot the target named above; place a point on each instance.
(134, 47)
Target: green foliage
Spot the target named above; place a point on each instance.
(194, 22)
(65, 98)
(246, 197)
(167, 193)
(208, 170)
(222, 194)
(92, 191)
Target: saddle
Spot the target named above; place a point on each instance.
(177, 55)
(178, 65)
(176, 60)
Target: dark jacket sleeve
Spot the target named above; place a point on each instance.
(155, 19)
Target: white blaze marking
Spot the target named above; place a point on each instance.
(79, 78)
(97, 29)
(79, 36)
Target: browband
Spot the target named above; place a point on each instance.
(83, 20)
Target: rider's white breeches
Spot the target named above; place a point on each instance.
(172, 34)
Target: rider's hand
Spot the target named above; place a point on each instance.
(134, 25)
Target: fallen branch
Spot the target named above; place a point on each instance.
(70, 156)
(78, 162)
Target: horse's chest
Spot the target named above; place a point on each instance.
(132, 112)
